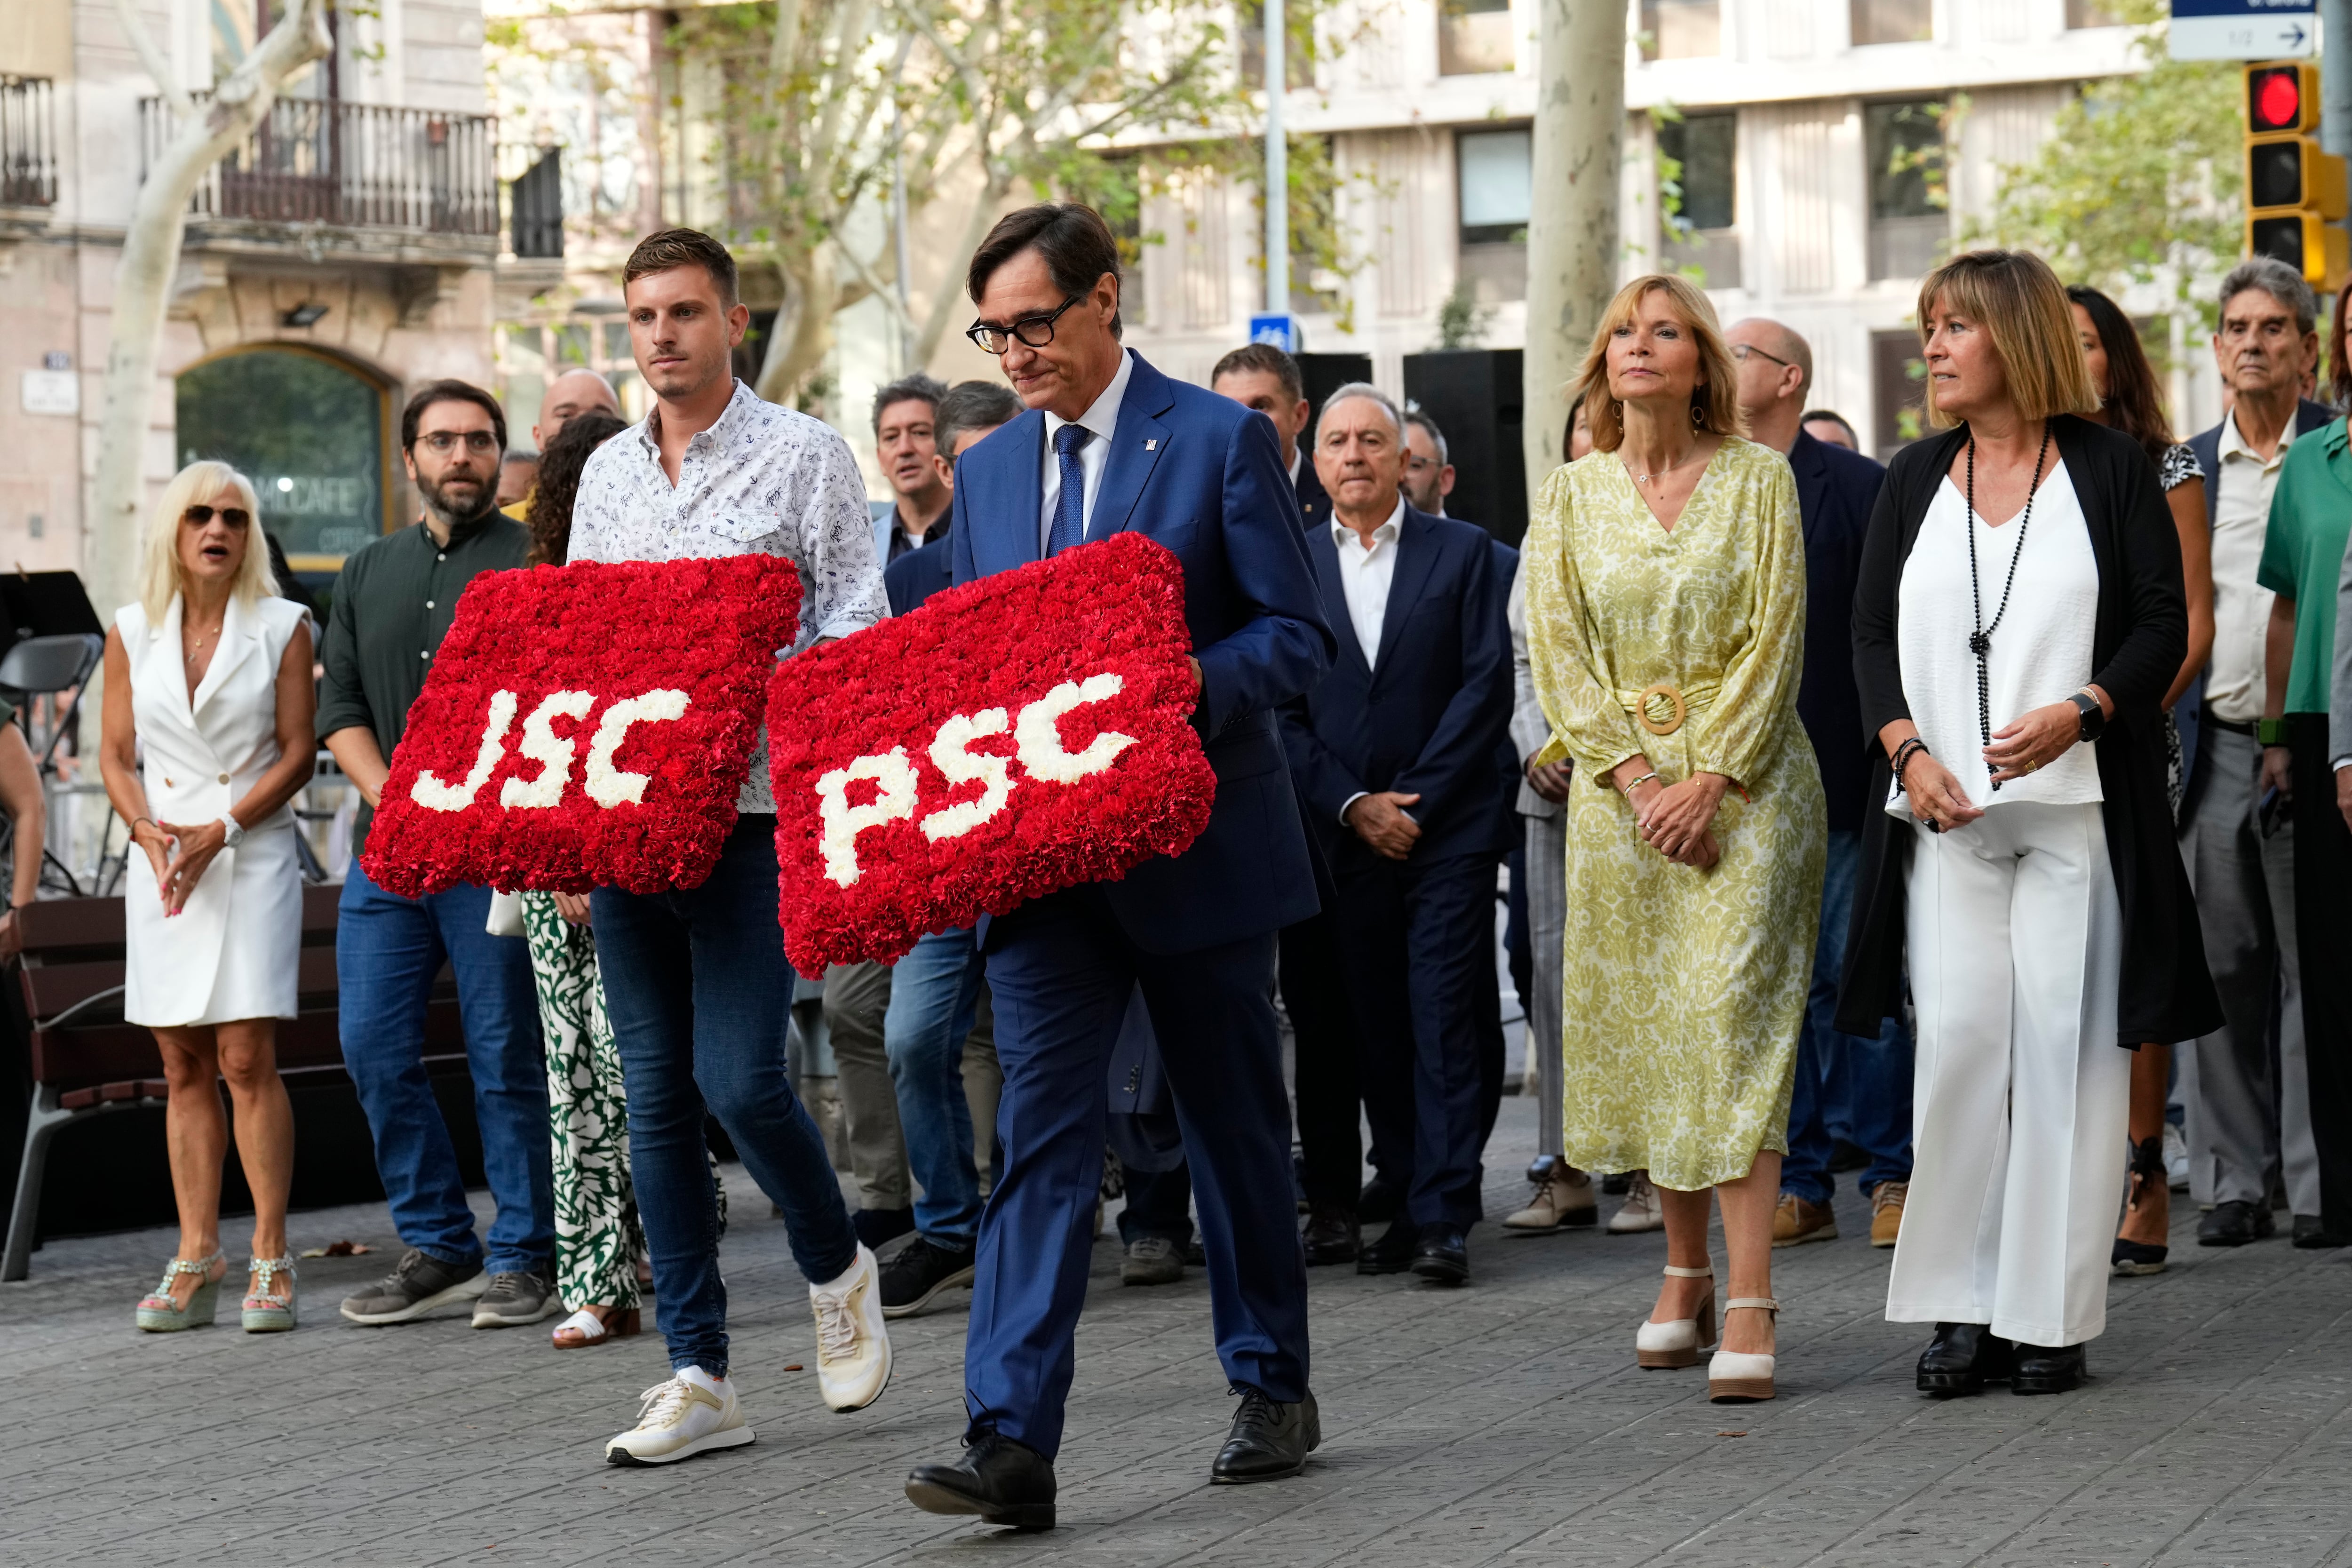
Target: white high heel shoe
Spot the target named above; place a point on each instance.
(1676, 1342)
(1737, 1377)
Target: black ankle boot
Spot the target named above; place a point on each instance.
(2042, 1369)
(1962, 1358)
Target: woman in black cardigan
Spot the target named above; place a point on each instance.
(2019, 617)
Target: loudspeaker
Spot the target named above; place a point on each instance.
(1326, 373)
(1475, 397)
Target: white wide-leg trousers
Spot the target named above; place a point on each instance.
(2022, 1093)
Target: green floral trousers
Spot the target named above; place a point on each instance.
(597, 1237)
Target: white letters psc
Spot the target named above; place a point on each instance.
(1037, 745)
(606, 785)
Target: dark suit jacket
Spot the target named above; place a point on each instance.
(2189, 713)
(1203, 476)
(1428, 715)
(1314, 501)
(917, 574)
(1835, 491)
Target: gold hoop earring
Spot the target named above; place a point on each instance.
(1698, 417)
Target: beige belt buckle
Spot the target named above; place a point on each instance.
(1667, 691)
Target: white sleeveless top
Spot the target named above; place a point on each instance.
(2041, 653)
(234, 950)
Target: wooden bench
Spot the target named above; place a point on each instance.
(86, 1061)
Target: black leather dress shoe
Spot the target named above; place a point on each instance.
(1380, 1202)
(1392, 1252)
(1441, 1255)
(1332, 1235)
(2234, 1224)
(2311, 1232)
(2044, 1370)
(1962, 1358)
(1003, 1481)
(1268, 1441)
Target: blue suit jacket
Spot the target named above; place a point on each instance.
(1203, 476)
(1428, 716)
(917, 575)
(1835, 492)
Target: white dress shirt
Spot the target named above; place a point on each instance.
(2234, 685)
(1366, 569)
(1101, 419)
(762, 480)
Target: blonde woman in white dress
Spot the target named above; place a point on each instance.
(208, 735)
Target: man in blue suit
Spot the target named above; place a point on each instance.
(1845, 1084)
(1110, 443)
(1396, 754)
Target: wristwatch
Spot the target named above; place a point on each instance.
(2269, 732)
(236, 833)
(2095, 718)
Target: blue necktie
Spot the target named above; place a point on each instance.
(1070, 507)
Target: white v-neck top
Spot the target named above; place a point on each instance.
(2041, 653)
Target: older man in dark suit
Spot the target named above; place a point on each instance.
(1861, 1087)
(1396, 753)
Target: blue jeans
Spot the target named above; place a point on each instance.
(934, 991)
(388, 950)
(1874, 1075)
(698, 989)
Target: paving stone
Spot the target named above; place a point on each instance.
(1502, 1424)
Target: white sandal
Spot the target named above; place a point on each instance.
(1736, 1377)
(1676, 1342)
(585, 1328)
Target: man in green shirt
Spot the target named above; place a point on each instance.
(393, 607)
(2303, 561)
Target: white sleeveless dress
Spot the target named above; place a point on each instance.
(235, 949)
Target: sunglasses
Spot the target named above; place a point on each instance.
(236, 517)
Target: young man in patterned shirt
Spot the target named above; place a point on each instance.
(696, 979)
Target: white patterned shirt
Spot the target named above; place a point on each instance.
(763, 481)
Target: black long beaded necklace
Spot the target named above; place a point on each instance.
(1980, 639)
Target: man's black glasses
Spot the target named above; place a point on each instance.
(1035, 331)
(236, 517)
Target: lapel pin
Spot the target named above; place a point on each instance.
(1152, 444)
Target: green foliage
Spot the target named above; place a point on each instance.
(2139, 182)
(1462, 321)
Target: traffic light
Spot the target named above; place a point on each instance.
(2295, 194)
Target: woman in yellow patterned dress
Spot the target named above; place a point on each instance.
(1667, 612)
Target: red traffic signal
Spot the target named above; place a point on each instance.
(2281, 98)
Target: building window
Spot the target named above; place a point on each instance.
(532, 354)
(1899, 392)
(1909, 207)
(1249, 22)
(2090, 14)
(1681, 29)
(1495, 176)
(1892, 21)
(308, 429)
(1473, 37)
(1699, 169)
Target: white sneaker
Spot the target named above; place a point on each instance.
(1643, 1211)
(680, 1418)
(852, 1345)
(2176, 1159)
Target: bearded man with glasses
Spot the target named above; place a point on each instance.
(393, 604)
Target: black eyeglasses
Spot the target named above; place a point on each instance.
(442, 441)
(1035, 331)
(1741, 350)
(236, 517)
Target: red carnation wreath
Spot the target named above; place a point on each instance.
(1026, 732)
(585, 726)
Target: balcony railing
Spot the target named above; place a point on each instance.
(349, 166)
(28, 157)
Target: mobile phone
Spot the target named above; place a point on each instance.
(2266, 813)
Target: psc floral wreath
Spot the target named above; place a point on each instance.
(1026, 732)
(585, 726)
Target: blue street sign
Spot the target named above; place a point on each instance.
(2241, 30)
(1281, 330)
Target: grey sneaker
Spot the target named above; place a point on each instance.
(416, 1285)
(514, 1299)
(1151, 1260)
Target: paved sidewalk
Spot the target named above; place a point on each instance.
(1503, 1422)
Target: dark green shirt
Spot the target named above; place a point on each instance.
(394, 603)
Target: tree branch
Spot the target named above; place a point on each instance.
(151, 60)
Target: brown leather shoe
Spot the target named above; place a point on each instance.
(1796, 1222)
(1886, 1212)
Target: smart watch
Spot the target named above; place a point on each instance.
(236, 833)
(2095, 718)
